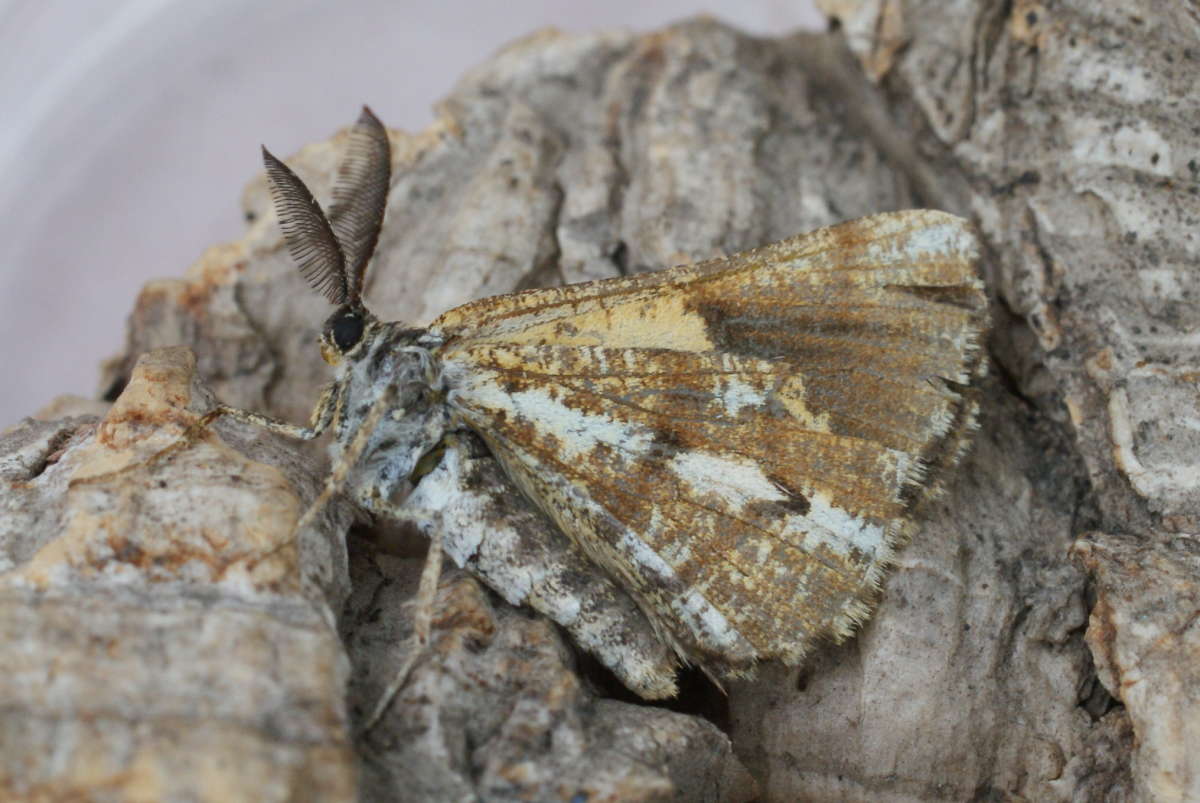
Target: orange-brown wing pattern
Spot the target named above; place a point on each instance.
(742, 441)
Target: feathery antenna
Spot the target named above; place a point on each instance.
(360, 196)
(307, 232)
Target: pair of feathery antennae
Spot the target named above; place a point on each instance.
(332, 252)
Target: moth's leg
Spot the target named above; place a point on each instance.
(336, 480)
(322, 416)
(425, 603)
(488, 528)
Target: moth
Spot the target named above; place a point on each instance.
(711, 465)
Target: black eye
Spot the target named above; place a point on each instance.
(346, 331)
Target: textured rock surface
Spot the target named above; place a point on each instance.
(1067, 132)
(494, 709)
(972, 679)
(163, 633)
(1145, 634)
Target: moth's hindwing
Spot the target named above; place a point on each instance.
(740, 442)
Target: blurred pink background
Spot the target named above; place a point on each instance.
(129, 128)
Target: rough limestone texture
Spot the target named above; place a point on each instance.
(1068, 130)
(972, 680)
(164, 632)
(1143, 634)
(494, 709)
(1003, 663)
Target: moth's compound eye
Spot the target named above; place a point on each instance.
(346, 331)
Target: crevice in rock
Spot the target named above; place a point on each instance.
(620, 257)
(115, 388)
(548, 270)
(698, 695)
(51, 453)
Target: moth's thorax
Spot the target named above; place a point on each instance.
(396, 360)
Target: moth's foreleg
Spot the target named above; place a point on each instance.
(322, 416)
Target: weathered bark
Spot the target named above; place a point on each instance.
(1066, 132)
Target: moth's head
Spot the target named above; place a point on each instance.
(345, 334)
(332, 251)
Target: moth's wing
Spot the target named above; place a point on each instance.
(741, 441)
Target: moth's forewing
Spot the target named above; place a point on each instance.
(741, 441)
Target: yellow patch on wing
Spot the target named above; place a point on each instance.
(740, 441)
